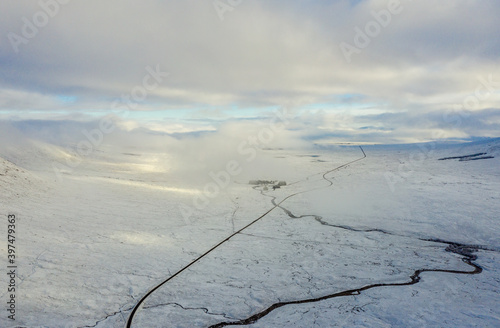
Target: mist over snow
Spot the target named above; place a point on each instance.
(190, 157)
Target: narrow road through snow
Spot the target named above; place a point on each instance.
(466, 251)
(151, 291)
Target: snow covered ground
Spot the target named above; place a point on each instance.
(92, 243)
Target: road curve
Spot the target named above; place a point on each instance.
(152, 290)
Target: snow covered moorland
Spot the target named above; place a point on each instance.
(394, 238)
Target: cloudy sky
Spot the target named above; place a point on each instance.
(345, 71)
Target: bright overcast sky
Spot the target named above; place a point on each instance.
(386, 70)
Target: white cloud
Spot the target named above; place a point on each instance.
(262, 54)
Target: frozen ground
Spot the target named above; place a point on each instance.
(91, 244)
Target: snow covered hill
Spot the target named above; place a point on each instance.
(91, 244)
